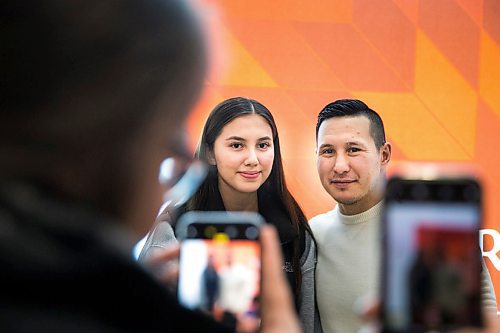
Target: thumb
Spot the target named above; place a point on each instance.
(278, 313)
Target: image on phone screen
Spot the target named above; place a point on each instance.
(431, 279)
(221, 276)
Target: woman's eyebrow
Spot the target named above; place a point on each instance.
(234, 137)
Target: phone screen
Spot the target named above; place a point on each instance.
(220, 273)
(431, 275)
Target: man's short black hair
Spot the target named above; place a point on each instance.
(354, 108)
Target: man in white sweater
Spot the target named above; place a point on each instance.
(352, 157)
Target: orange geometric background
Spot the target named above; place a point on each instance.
(430, 68)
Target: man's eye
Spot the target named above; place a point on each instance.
(353, 150)
(327, 151)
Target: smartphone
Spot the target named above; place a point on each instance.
(431, 270)
(220, 265)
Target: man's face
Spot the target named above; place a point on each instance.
(350, 167)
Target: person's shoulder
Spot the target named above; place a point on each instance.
(321, 220)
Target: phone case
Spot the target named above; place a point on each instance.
(431, 257)
(220, 266)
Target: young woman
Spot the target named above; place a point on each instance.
(240, 144)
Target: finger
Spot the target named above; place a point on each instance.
(367, 307)
(163, 255)
(164, 265)
(278, 313)
(492, 321)
(170, 276)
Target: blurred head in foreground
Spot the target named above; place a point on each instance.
(94, 97)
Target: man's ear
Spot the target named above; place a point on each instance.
(385, 153)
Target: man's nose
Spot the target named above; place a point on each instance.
(341, 163)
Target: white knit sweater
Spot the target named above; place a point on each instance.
(348, 265)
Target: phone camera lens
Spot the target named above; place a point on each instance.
(210, 231)
(420, 191)
(231, 232)
(395, 189)
(445, 192)
(192, 232)
(471, 193)
(251, 233)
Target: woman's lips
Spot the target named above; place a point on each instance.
(250, 174)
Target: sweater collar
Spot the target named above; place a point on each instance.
(372, 213)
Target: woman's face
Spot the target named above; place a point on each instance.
(243, 154)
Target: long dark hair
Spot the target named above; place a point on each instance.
(274, 186)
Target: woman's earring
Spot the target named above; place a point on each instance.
(211, 159)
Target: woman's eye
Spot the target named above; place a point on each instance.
(236, 145)
(264, 145)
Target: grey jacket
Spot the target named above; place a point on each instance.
(308, 312)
